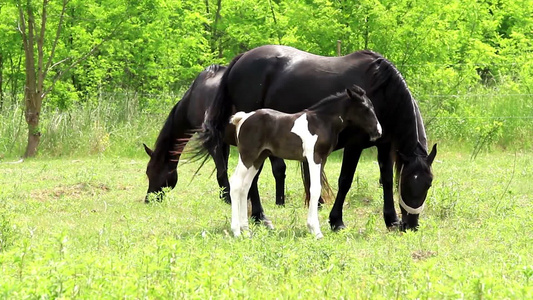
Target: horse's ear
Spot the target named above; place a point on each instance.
(148, 150)
(432, 155)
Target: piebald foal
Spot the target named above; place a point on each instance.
(309, 135)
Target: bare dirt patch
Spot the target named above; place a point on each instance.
(71, 191)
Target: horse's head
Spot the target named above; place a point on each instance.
(414, 181)
(361, 112)
(161, 173)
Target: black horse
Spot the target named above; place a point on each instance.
(291, 80)
(185, 118)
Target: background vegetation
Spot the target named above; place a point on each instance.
(468, 63)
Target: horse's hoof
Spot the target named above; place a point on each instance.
(268, 224)
(395, 226)
(319, 236)
(336, 224)
(338, 227)
(392, 221)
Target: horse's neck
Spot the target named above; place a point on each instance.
(410, 138)
(173, 130)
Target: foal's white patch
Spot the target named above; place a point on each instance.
(301, 129)
(239, 118)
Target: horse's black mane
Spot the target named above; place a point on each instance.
(212, 70)
(166, 143)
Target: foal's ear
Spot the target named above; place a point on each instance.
(358, 90)
(349, 93)
(354, 95)
(432, 155)
(148, 150)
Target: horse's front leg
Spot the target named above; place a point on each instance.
(278, 170)
(258, 215)
(312, 218)
(240, 185)
(349, 164)
(386, 178)
(221, 163)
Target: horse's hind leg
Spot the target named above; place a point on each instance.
(240, 185)
(278, 170)
(349, 164)
(258, 215)
(221, 163)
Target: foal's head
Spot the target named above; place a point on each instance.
(360, 112)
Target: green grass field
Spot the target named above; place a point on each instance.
(78, 228)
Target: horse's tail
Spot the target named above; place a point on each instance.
(211, 137)
(326, 193)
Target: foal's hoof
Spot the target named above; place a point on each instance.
(319, 236)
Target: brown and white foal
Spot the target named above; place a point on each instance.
(309, 135)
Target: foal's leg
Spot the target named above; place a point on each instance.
(278, 170)
(240, 185)
(305, 177)
(315, 188)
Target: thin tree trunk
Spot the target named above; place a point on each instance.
(215, 35)
(1, 81)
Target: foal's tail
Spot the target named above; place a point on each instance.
(211, 136)
(326, 193)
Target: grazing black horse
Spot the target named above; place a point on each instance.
(310, 135)
(290, 80)
(184, 119)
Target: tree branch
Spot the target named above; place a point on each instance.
(49, 65)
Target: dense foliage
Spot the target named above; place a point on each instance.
(450, 52)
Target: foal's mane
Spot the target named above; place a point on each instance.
(329, 103)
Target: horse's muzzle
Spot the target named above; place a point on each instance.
(157, 196)
(409, 221)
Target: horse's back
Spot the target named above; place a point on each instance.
(290, 80)
(202, 93)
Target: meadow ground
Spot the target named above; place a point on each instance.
(78, 228)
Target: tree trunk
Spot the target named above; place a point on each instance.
(33, 115)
